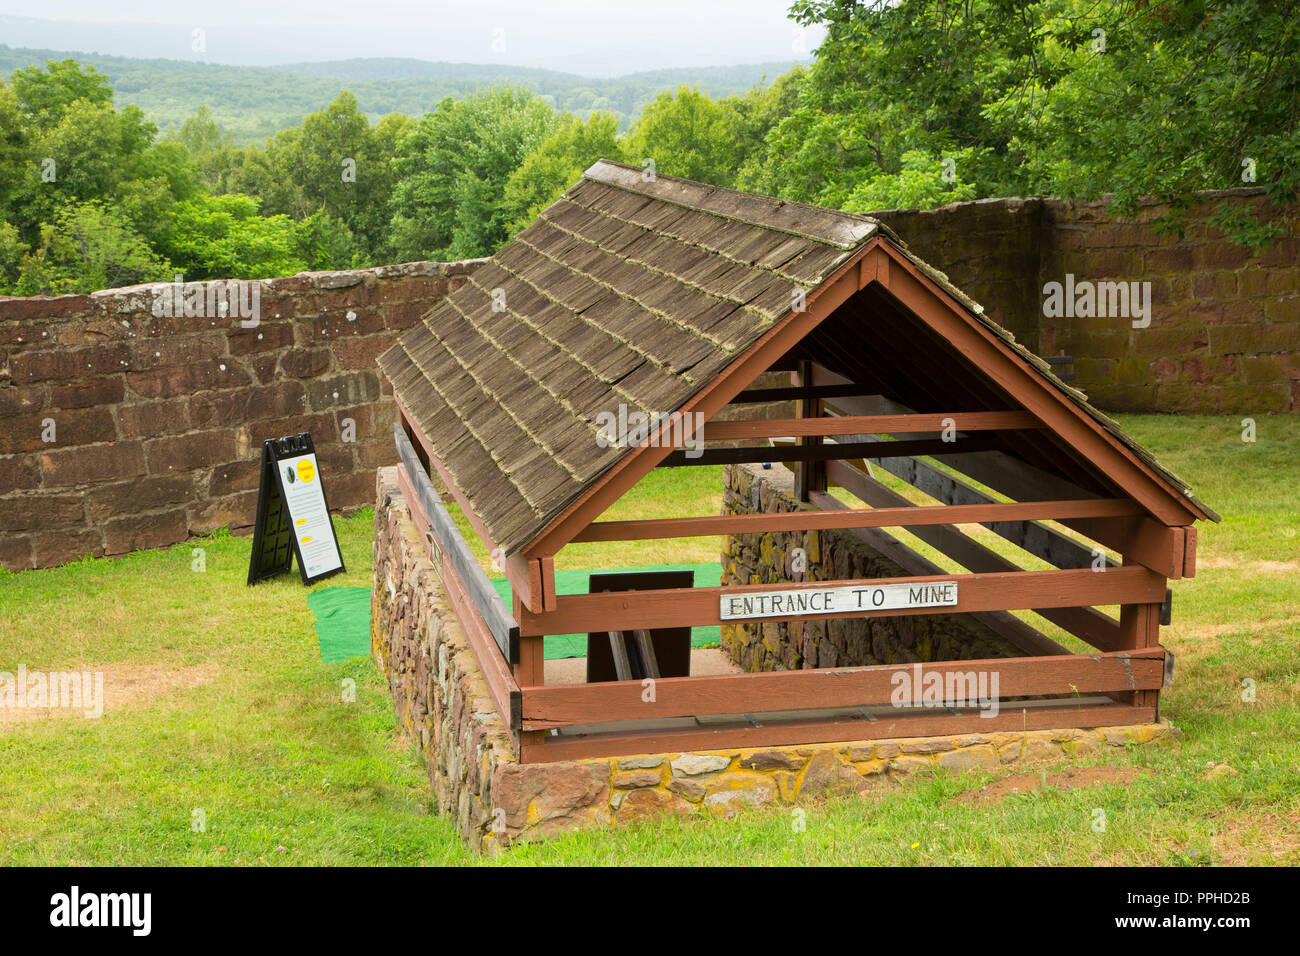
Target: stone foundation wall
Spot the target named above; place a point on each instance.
(443, 704)
(831, 555)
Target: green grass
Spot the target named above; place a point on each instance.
(224, 705)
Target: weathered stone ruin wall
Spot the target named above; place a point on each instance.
(831, 555)
(121, 429)
(1224, 333)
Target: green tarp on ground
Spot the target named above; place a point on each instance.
(343, 614)
(342, 622)
(578, 582)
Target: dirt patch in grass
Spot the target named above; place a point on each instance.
(1071, 779)
(1243, 564)
(124, 686)
(1259, 839)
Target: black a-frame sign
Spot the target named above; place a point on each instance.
(293, 518)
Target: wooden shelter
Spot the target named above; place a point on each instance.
(671, 296)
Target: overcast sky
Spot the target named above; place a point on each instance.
(583, 36)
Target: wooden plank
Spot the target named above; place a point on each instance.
(1159, 547)
(875, 686)
(643, 529)
(529, 574)
(496, 671)
(809, 474)
(545, 748)
(1086, 623)
(1189, 554)
(1039, 540)
(548, 582)
(826, 452)
(754, 396)
(1152, 543)
(689, 607)
(521, 580)
(868, 425)
(997, 469)
(1140, 625)
(503, 627)
(530, 668)
(618, 650)
(646, 648)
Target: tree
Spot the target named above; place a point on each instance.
(686, 134)
(223, 237)
(210, 147)
(1074, 98)
(452, 168)
(88, 247)
(556, 164)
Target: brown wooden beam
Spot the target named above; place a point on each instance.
(492, 663)
(689, 607)
(810, 472)
(754, 396)
(641, 529)
(869, 425)
(826, 452)
(1086, 623)
(874, 686)
(544, 748)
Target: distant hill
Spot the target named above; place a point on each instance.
(254, 102)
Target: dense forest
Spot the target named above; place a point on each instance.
(907, 103)
(254, 103)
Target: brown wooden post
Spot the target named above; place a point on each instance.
(531, 669)
(1139, 626)
(809, 476)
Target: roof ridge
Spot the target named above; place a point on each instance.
(719, 253)
(599, 172)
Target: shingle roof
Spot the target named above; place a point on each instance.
(626, 290)
(630, 290)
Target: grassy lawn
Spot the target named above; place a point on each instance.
(220, 708)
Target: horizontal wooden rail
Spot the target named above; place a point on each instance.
(1169, 550)
(540, 747)
(827, 452)
(869, 424)
(876, 686)
(640, 529)
(1086, 623)
(496, 671)
(754, 396)
(453, 547)
(689, 607)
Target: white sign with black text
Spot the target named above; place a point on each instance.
(837, 600)
(310, 518)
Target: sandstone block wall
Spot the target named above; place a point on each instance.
(443, 704)
(831, 555)
(157, 422)
(1224, 333)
